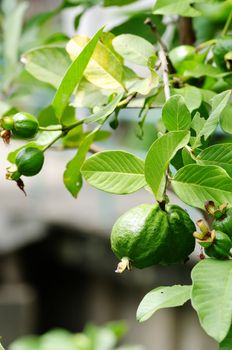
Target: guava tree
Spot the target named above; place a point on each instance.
(188, 61)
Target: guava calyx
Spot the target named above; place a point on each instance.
(123, 265)
(221, 247)
(216, 212)
(14, 175)
(6, 136)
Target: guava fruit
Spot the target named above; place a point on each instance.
(147, 235)
(25, 125)
(29, 161)
(224, 223)
(221, 246)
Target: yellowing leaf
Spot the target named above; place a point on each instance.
(104, 68)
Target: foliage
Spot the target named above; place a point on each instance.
(93, 337)
(192, 83)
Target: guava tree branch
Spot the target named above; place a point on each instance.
(186, 32)
(164, 68)
(163, 57)
(95, 148)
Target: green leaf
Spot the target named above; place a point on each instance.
(160, 298)
(131, 347)
(133, 24)
(118, 328)
(104, 69)
(89, 95)
(47, 63)
(202, 70)
(226, 344)
(72, 175)
(211, 296)
(179, 7)
(143, 86)
(195, 184)
(187, 157)
(192, 96)
(101, 338)
(12, 27)
(159, 157)
(207, 95)
(68, 116)
(103, 113)
(219, 102)
(26, 343)
(58, 339)
(47, 117)
(197, 124)
(1, 347)
(73, 76)
(226, 120)
(219, 154)
(134, 48)
(118, 2)
(175, 114)
(4, 107)
(116, 172)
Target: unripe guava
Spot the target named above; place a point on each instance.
(29, 161)
(25, 125)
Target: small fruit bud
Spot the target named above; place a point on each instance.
(7, 122)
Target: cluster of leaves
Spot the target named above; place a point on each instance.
(211, 300)
(101, 74)
(105, 337)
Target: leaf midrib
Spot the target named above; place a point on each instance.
(112, 172)
(197, 185)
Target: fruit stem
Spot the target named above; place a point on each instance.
(126, 100)
(162, 205)
(52, 142)
(72, 126)
(58, 128)
(205, 44)
(123, 265)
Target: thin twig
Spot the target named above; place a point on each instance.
(126, 100)
(165, 64)
(153, 28)
(95, 149)
(163, 57)
(227, 25)
(164, 67)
